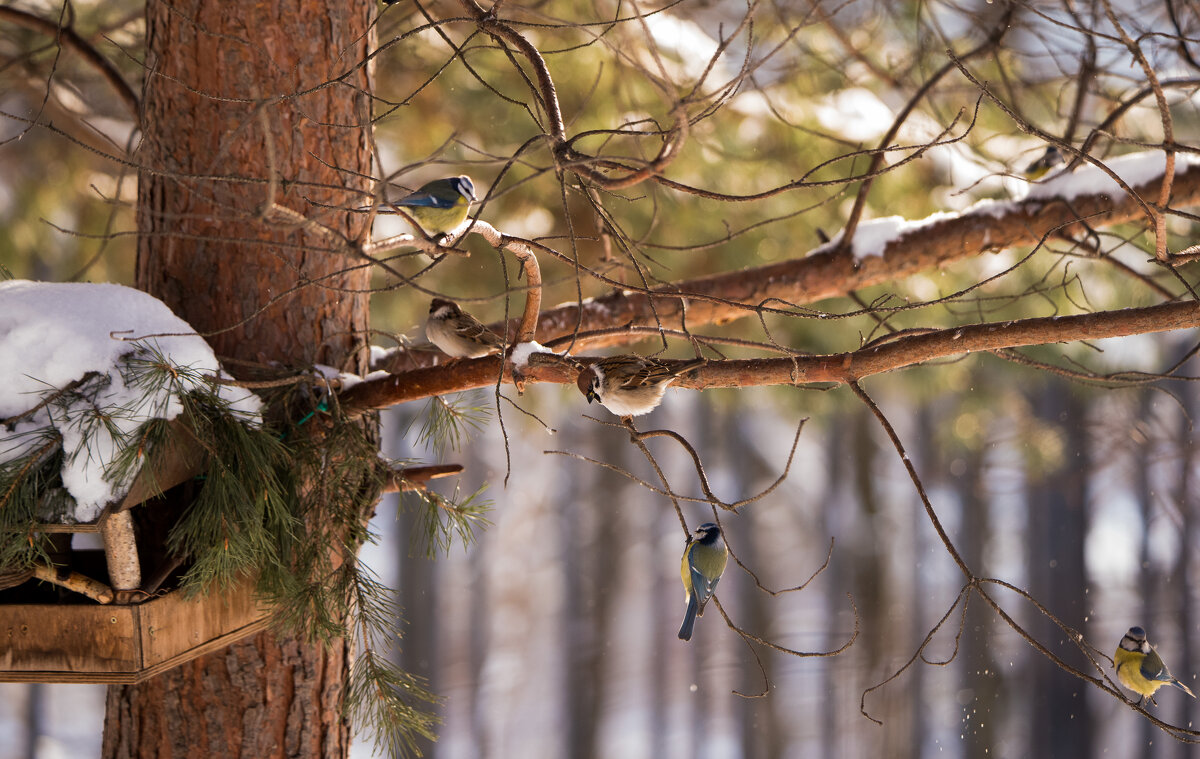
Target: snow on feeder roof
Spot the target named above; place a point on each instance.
(55, 337)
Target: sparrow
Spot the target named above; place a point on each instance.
(629, 385)
(457, 333)
(440, 206)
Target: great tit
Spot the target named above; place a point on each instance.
(440, 206)
(703, 562)
(1140, 669)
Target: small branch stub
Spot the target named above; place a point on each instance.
(415, 478)
(74, 581)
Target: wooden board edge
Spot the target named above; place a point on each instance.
(132, 678)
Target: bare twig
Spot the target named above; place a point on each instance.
(67, 37)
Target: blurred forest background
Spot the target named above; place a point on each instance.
(1065, 470)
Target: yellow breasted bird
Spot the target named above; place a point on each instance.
(440, 206)
(1040, 167)
(1141, 669)
(703, 562)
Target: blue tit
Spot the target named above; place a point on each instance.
(440, 206)
(1140, 669)
(1048, 160)
(703, 562)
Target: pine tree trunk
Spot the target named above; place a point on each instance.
(227, 133)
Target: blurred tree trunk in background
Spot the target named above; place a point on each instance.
(417, 577)
(1187, 531)
(840, 468)
(982, 713)
(871, 582)
(33, 719)
(1146, 575)
(762, 729)
(220, 100)
(591, 541)
(1057, 521)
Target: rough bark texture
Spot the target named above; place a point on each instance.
(206, 248)
(236, 119)
(258, 698)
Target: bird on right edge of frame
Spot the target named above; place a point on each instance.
(703, 563)
(440, 206)
(1141, 669)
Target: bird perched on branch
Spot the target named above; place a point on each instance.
(629, 385)
(703, 562)
(1141, 669)
(457, 333)
(1048, 160)
(440, 206)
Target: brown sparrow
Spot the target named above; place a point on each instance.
(457, 333)
(629, 385)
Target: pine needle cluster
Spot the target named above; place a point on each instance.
(28, 485)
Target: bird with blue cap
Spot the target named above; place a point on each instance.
(440, 207)
(703, 563)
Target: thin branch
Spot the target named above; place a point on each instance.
(67, 37)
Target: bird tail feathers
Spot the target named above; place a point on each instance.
(689, 618)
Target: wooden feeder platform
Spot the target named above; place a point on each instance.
(115, 643)
(97, 620)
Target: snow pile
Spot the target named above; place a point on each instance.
(55, 334)
(1134, 169)
(347, 380)
(873, 236)
(522, 351)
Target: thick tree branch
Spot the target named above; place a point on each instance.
(827, 272)
(840, 368)
(523, 250)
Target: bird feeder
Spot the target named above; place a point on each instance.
(100, 616)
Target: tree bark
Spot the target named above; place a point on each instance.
(246, 107)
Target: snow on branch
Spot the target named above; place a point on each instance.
(891, 251)
(882, 250)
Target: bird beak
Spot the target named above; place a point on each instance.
(591, 395)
